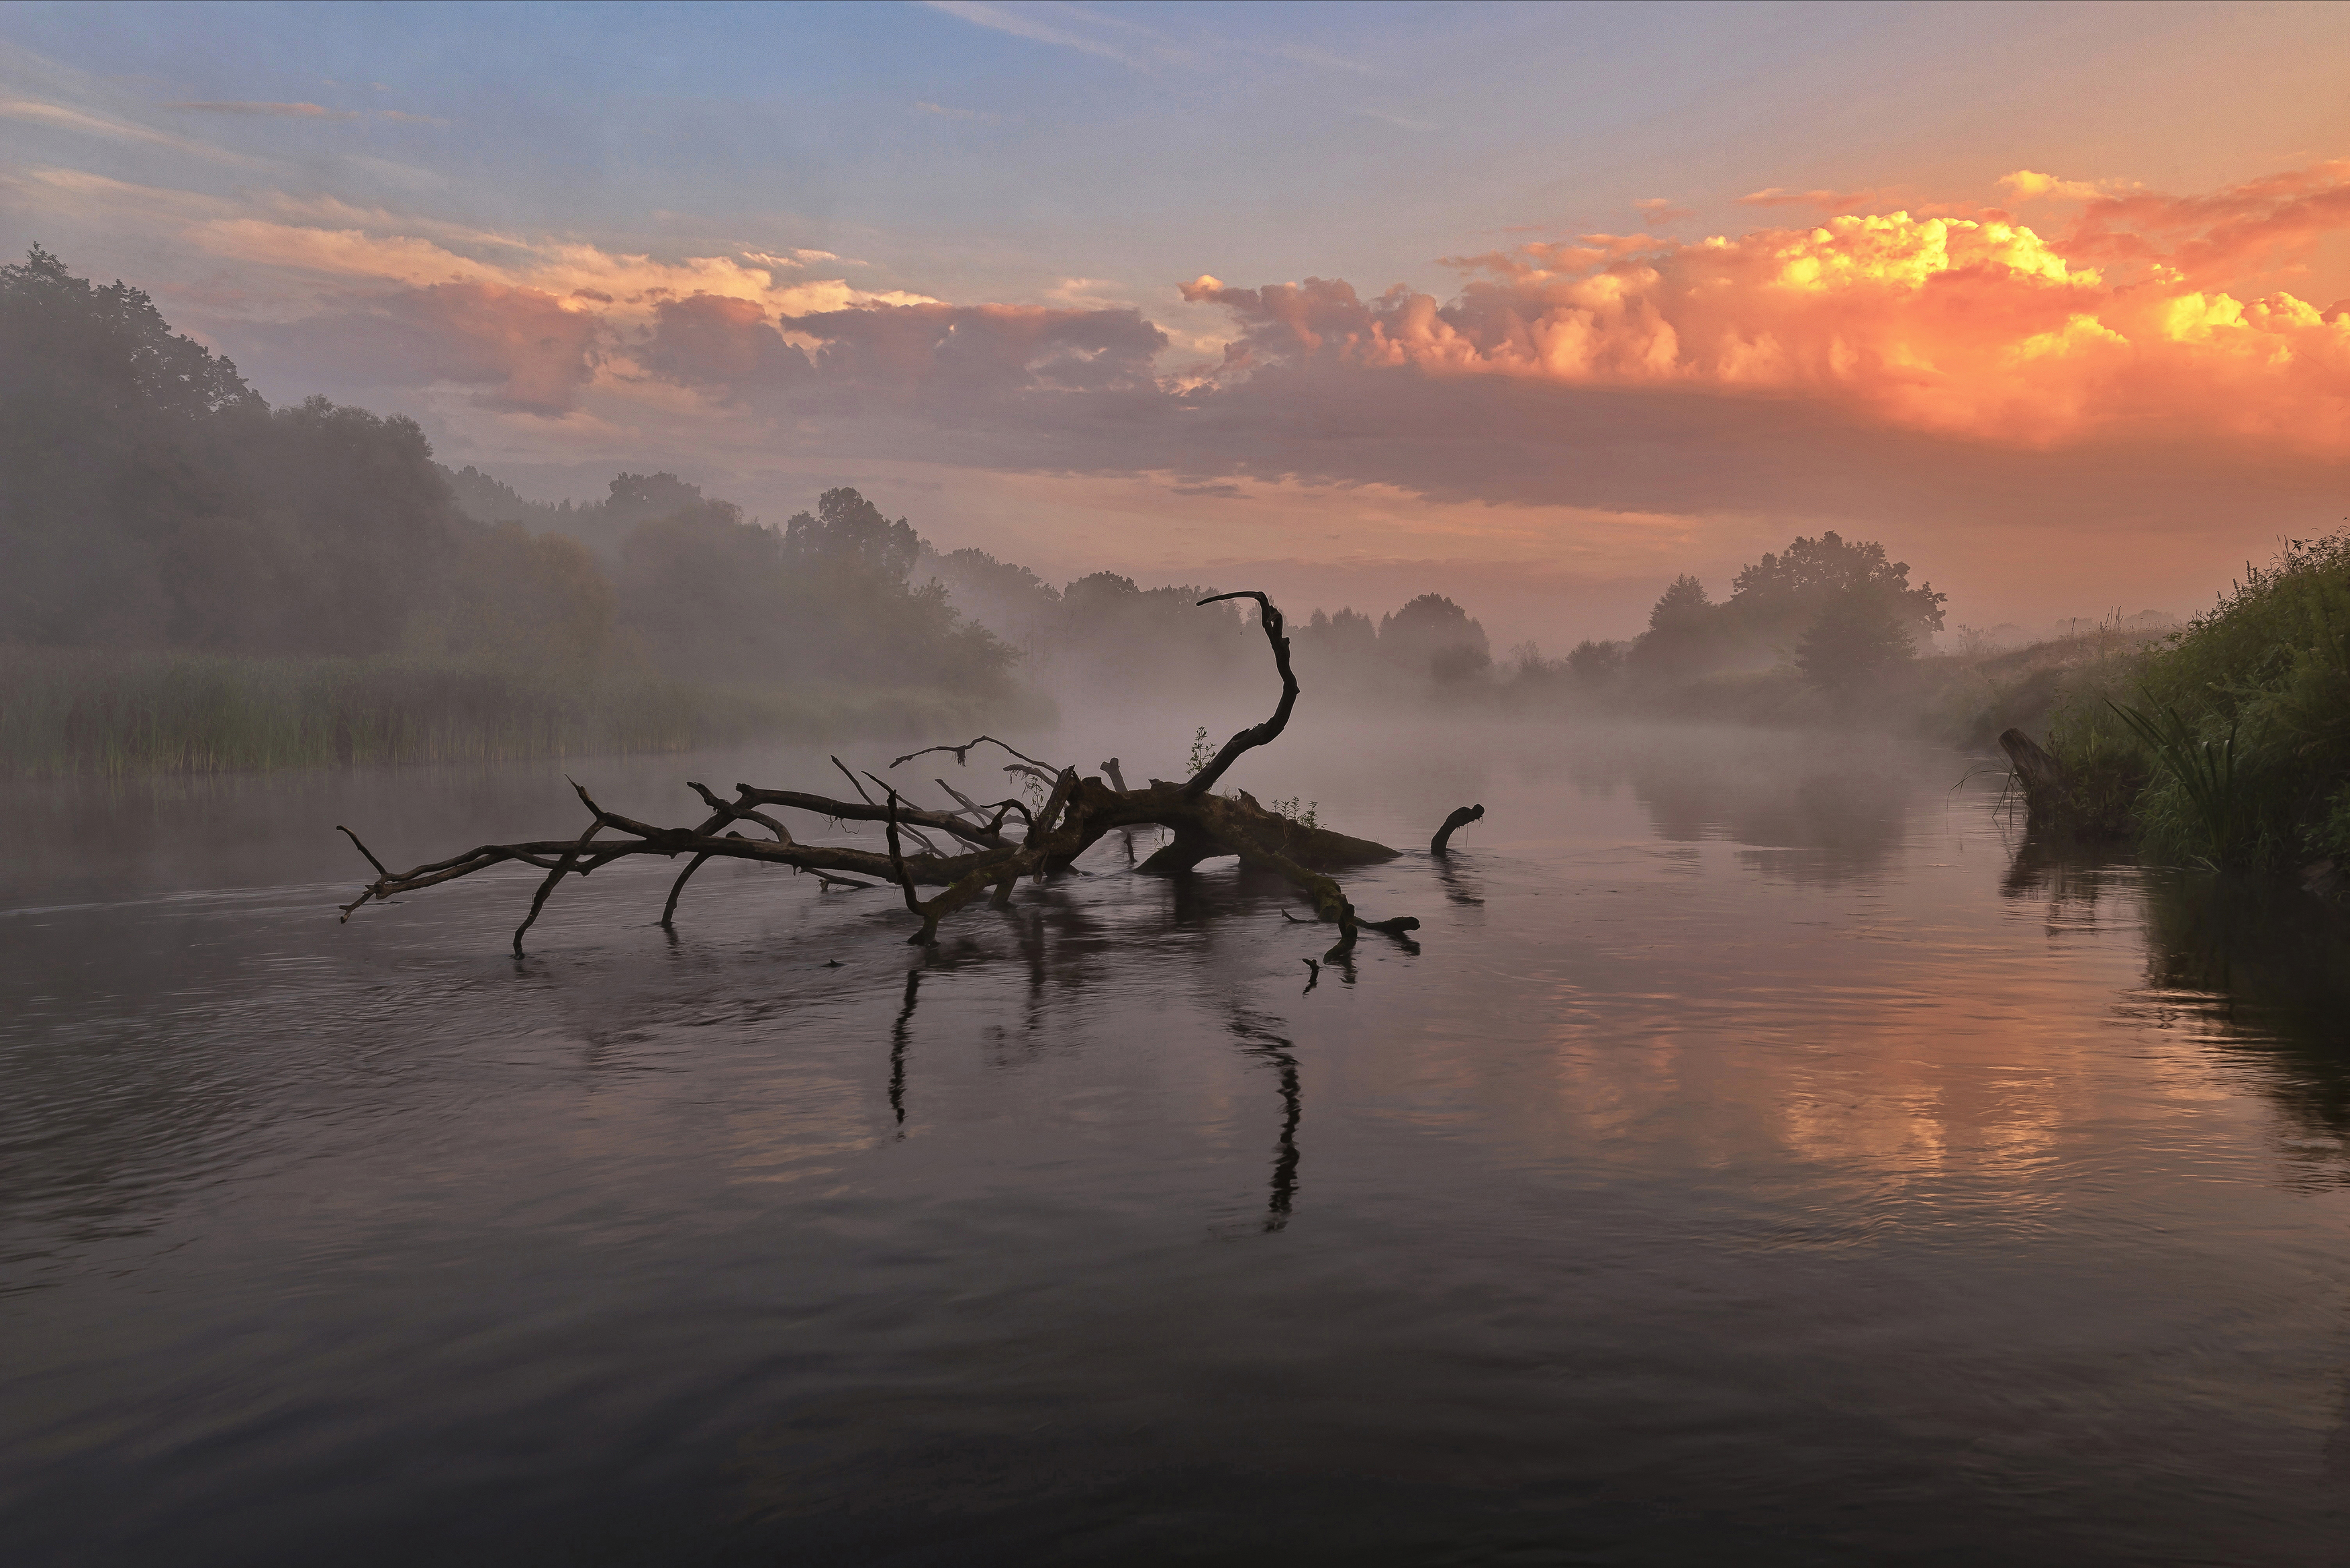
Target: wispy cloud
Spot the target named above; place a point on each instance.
(2025, 185)
(1826, 200)
(273, 110)
(1023, 25)
(946, 112)
(65, 118)
(1397, 121)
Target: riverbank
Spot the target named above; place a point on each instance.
(2226, 746)
(75, 712)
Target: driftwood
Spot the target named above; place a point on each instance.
(1078, 812)
(1461, 817)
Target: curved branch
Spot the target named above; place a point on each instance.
(1461, 816)
(1255, 735)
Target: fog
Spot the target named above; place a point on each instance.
(1749, 1105)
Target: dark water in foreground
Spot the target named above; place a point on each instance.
(1759, 1163)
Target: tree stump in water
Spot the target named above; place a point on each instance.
(2047, 787)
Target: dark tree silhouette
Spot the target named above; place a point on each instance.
(1858, 635)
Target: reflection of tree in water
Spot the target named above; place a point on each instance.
(2275, 964)
(2073, 877)
(899, 1034)
(1827, 822)
(1261, 1040)
(1059, 955)
(2262, 970)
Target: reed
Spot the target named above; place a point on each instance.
(70, 711)
(2203, 771)
(2241, 730)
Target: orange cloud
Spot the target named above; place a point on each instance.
(2139, 320)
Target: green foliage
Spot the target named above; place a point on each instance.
(1303, 814)
(2204, 774)
(1203, 751)
(314, 573)
(2243, 729)
(152, 498)
(1775, 600)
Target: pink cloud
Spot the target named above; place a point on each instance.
(520, 347)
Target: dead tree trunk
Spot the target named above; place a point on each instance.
(1076, 814)
(2047, 788)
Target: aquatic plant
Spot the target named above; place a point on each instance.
(83, 711)
(2205, 774)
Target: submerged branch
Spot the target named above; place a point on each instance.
(1076, 814)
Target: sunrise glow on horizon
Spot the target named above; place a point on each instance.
(2094, 372)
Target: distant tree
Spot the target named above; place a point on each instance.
(1775, 600)
(521, 600)
(849, 532)
(1434, 636)
(1595, 663)
(1856, 637)
(1686, 633)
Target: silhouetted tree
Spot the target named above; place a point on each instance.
(1856, 637)
(1595, 663)
(1777, 599)
(152, 498)
(1434, 636)
(1685, 635)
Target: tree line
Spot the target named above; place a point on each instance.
(154, 500)
(1838, 611)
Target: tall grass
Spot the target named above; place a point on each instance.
(2203, 771)
(79, 712)
(2240, 738)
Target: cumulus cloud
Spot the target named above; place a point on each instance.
(1982, 328)
(2142, 358)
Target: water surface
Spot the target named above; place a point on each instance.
(1762, 1156)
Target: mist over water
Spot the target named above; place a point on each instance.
(1761, 1154)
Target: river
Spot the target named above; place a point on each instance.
(1760, 1157)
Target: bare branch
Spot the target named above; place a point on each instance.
(362, 848)
(962, 752)
(1268, 617)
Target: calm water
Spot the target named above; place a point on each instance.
(1760, 1161)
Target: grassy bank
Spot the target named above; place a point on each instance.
(74, 711)
(2231, 742)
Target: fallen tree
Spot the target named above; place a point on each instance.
(983, 855)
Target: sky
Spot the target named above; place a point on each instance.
(1534, 306)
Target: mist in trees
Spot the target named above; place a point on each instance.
(154, 500)
(1838, 611)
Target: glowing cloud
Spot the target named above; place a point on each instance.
(2150, 316)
